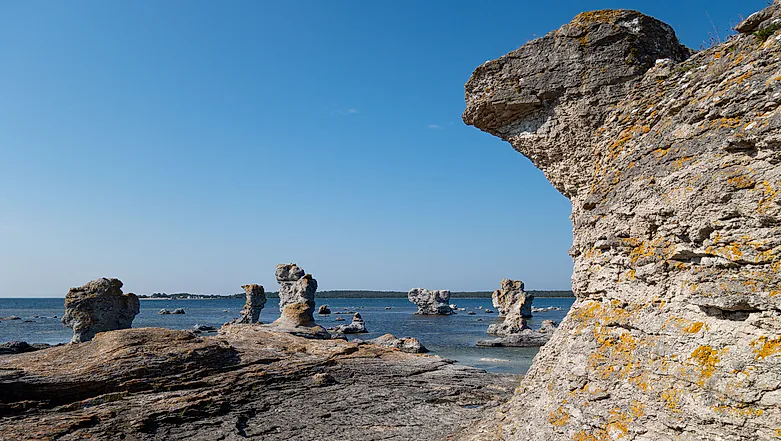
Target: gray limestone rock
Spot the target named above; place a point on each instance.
(357, 326)
(430, 302)
(255, 300)
(521, 336)
(404, 344)
(98, 306)
(511, 294)
(297, 303)
(674, 174)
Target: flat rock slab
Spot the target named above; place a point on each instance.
(246, 382)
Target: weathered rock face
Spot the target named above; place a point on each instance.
(674, 173)
(98, 306)
(256, 299)
(430, 302)
(295, 286)
(510, 295)
(244, 383)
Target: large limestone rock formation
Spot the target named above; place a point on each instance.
(510, 295)
(256, 299)
(430, 302)
(673, 169)
(98, 306)
(297, 302)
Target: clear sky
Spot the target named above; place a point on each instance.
(190, 146)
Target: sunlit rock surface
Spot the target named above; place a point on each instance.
(673, 168)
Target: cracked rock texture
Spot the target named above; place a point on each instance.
(430, 302)
(99, 306)
(673, 168)
(256, 300)
(511, 295)
(245, 382)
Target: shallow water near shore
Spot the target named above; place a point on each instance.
(451, 336)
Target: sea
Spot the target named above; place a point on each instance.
(452, 336)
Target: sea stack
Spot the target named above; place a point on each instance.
(98, 306)
(512, 295)
(297, 301)
(672, 163)
(256, 299)
(430, 302)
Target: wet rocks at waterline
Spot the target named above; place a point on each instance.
(404, 344)
(98, 306)
(357, 326)
(253, 305)
(522, 336)
(430, 302)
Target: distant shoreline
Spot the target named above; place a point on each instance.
(344, 294)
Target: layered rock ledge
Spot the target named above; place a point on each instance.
(246, 382)
(673, 168)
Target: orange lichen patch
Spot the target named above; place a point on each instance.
(559, 417)
(707, 358)
(679, 163)
(768, 196)
(661, 152)
(694, 328)
(671, 399)
(766, 347)
(583, 435)
(741, 182)
(738, 411)
(603, 16)
(727, 123)
(637, 409)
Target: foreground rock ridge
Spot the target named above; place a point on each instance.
(673, 168)
(245, 382)
(99, 306)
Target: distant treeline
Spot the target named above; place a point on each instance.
(345, 294)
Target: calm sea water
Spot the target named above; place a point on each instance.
(451, 336)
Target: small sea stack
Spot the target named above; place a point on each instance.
(430, 302)
(99, 306)
(357, 326)
(523, 336)
(297, 302)
(253, 305)
(323, 310)
(511, 294)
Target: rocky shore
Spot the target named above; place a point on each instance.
(245, 382)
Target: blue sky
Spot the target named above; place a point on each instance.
(190, 146)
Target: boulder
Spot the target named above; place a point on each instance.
(253, 305)
(430, 302)
(404, 344)
(163, 312)
(357, 326)
(510, 294)
(323, 310)
(98, 306)
(19, 347)
(673, 170)
(523, 336)
(178, 311)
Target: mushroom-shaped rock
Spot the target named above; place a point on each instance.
(98, 306)
(297, 302)
(430, 302)
(253, 305)
(510, 294)
(673, 170)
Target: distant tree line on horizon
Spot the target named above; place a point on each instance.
(351, 294)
